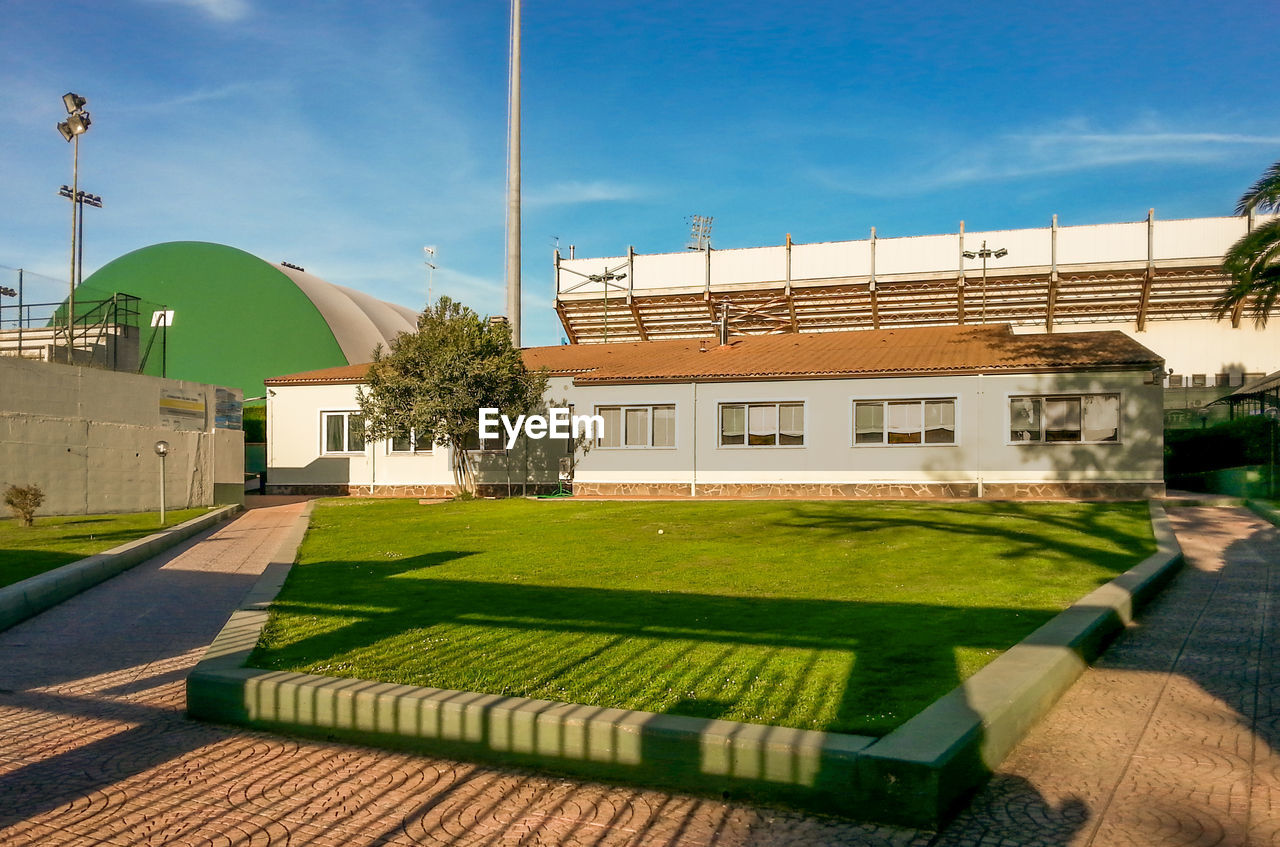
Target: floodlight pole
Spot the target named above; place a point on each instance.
(513, 180)
(430, 252)
(985, 253)
(71, 298)
(76, 124)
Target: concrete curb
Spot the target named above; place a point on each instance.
(1264, 510)
(925, 768)
(34, 595)
(916, 775)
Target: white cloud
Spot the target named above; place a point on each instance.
(574, 193)
(224, 11)
(1070, 147)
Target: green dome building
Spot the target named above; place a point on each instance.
(238, 319)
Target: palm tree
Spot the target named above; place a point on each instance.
(1253, 262)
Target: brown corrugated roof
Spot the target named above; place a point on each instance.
(345, 374)
(886, 352)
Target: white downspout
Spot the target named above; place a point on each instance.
(980, 434)
(693, 487)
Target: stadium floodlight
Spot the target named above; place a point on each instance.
(76, 125)
(985, 253)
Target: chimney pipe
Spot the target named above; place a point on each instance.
(724, 323)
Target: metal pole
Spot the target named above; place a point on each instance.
(162, 490)
(19, 313)
(71, 300)
(984, 281)
(80, 241)
(513, 180)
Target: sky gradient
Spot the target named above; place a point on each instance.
(343, 136)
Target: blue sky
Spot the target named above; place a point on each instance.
(345, 136)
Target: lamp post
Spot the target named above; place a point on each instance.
(76, 125)
(162, 450)
(985, 253)
(1273, 415)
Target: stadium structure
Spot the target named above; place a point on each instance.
(1156, 280)
(207, 313)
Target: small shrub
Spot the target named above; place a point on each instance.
(464, 494)
(23, 500)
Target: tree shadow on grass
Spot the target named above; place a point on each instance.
(1011, 522)
(860, 667)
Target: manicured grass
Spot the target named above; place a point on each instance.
(843, 616)
(55, 541)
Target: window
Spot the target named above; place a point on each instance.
(1175, 380)
(493, 444)
(637, 426)
(343, 432)
(762, 424)
(1223, 380)
(1089, 418)
(1198, 381)
(878, 422)
(409, 443)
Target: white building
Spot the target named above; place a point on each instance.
(947, 411)
(1154, 280)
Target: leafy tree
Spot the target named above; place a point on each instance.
(1253, 262)
(434, 382)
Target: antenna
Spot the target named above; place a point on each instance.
(430, 253)
(699, 232)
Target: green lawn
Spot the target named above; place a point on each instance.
(53, 542)
(843, 616)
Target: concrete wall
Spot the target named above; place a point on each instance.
(983, 450)
(87, 437)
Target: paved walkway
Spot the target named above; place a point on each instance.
(1170, 740)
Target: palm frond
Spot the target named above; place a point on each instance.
(1253, 263)
(1263, 195)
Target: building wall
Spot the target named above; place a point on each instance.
(983, 452)
(1197, 346)
(829, 456)
(87, 437)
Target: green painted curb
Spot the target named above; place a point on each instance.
(916, 775)
(1264, 510)
(34, 595)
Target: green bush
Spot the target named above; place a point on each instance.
(255, 424)
(1230, 444)
(23, 500)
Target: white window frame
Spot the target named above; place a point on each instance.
(1008, 420)
(746, 424)
(623, 408)
(415, 446)
(885, 400)
(346, 414)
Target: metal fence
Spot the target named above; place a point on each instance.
(111, 329)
